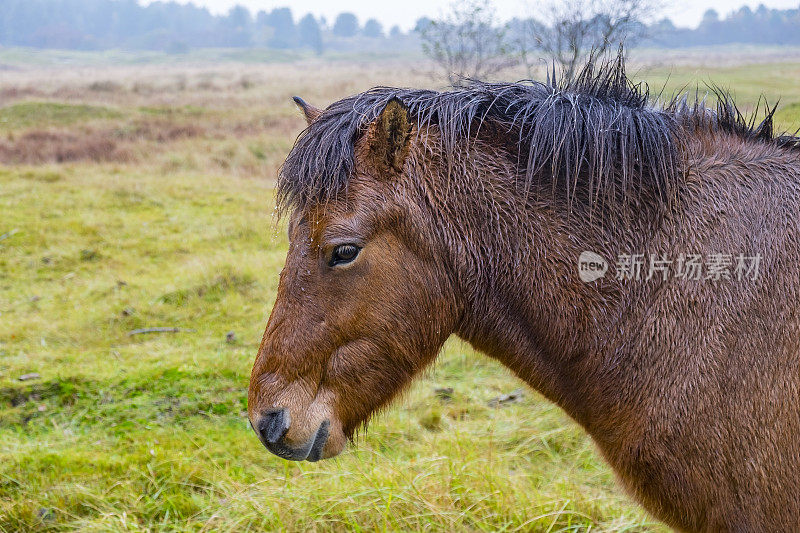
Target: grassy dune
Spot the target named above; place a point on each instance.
(171, 224)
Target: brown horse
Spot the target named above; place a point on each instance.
(492, 212)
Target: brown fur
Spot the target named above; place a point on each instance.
(691, 389)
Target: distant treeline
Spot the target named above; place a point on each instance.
(762, 26)
(173, 27)
(106, 24)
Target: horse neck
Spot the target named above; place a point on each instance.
(516, 265)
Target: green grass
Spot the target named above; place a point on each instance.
(775, 82)
(789, 117)
(43, 114)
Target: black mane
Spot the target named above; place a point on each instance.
(599, 135)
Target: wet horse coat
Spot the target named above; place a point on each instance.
(419, 214)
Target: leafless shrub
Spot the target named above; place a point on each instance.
(468, 43)
(573, 32)
(88, 144)
(42, 146)
(18, 92)
(105, 86)
(158, 130)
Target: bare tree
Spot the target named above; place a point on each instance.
(572, 32)
(468, 43)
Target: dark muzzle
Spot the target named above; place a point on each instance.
(271, 428)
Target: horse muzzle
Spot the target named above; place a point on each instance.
(272, 427)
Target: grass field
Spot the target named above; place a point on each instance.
(141, 198)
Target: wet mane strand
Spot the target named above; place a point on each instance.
(598, 136)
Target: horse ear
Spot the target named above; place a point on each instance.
(311, 113)
(389, 137)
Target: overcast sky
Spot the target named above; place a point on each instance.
(405, 12)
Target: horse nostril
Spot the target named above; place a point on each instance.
(273, 425)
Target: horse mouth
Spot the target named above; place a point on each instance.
(272, 428)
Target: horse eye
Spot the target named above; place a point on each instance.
(344, 254)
